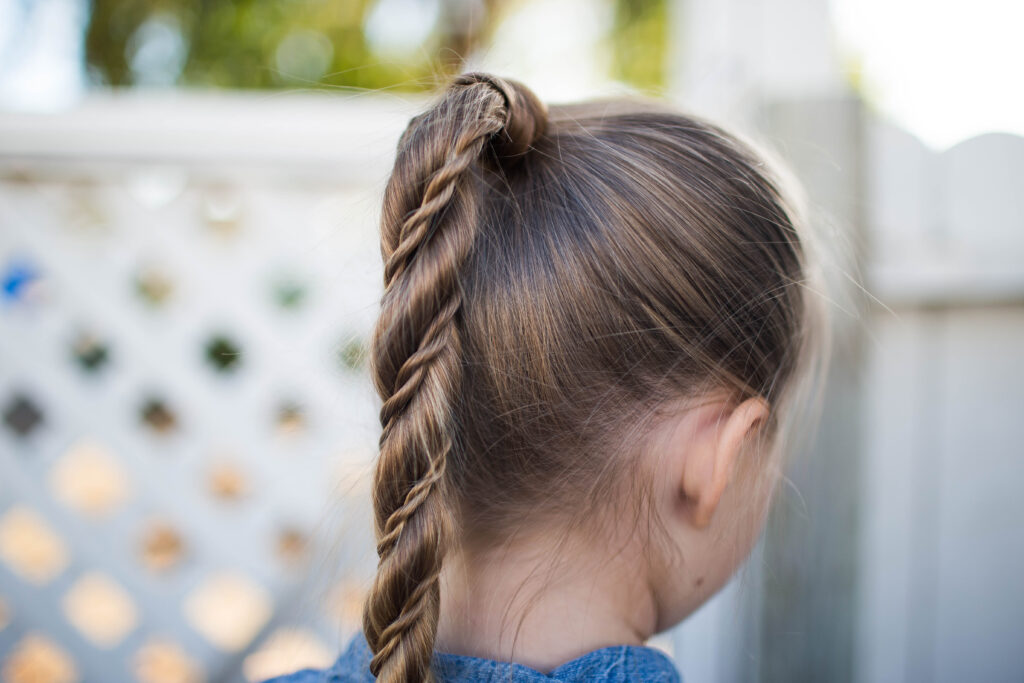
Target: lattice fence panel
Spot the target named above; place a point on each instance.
(187, 421)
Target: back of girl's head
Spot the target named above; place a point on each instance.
(553, 278)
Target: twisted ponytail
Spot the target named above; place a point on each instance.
(428, 228)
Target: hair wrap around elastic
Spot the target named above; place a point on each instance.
(526, 116)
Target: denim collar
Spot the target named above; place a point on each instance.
(618, 664)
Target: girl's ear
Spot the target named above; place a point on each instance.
(711, 459)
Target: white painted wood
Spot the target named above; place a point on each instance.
(91, 196)
(896, 364)
(349, 136)
(731, 55)
(944, 228)
(942, 546)
(983, 198)
(898, 222)
(978, 625)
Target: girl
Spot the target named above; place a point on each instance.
(596, 318)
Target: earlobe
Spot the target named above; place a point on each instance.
(721, 456)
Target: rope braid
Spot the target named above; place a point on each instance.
(428, 228)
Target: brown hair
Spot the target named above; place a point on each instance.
(552, 277)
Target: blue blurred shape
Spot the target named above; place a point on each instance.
(18, 277)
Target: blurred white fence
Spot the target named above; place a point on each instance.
(901, 559)
(899, 551)
(188, 287)
(941, 564)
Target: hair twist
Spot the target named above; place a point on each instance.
(428, 227)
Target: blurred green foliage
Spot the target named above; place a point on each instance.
(320, 43)
(254, 44)
(639, 42)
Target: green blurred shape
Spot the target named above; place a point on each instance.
(289, 293)
(352, 354)
(223, 353)
(256, 44)
(323, 43)
(91, 353)
(640, 43)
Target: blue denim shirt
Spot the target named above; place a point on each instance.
(619, 664)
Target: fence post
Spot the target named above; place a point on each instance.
(808, 574)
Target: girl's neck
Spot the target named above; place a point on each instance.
(543, 602)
